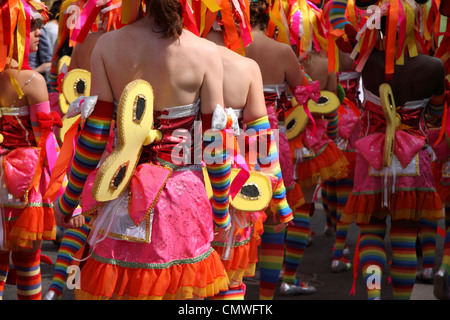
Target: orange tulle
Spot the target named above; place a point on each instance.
(351, 158)
(33, 223)
(239, 264)
(244, 255)
(409, 205)
(200, 279)
(330, 163)
(295, 197)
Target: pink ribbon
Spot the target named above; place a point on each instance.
(303, 94)
(295, 28)
(405, 147)
(87, 18)
(243, 174)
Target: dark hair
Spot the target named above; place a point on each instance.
(364, 3)
(54, 10)
(168, 16)
(259, 16)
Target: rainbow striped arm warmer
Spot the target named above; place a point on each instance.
(269, 162)
(332, 128)
(337, 14)
(43, 107)
(218, 166)
(90, 146)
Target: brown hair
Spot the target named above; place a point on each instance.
(168, 16)
(259, 15)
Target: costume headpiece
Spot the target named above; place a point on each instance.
(232, 16)
(438, 12)
(307, 31)
(15, 28)
(399, 37)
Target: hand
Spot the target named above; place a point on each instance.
(222, 233)
(279, 226)
(74, 222)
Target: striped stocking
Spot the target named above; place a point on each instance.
(372, 256)
(343, 190)
(72, 241)
(28, 269)
(427, 236)
(296, 238)
(270, 261)
(404, 261)
(4, 268)
(233, 293)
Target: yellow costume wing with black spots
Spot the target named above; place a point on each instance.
(134, 129)
(297, 119)
(255, 194)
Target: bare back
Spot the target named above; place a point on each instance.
(277, 61)
(177, 69)
(419, 78)
(316, 66)
(81, 56)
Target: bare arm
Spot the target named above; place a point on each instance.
(332, 82)
(293, 70)
(100, 85)
(36, 90)
(212, 87)
(255, 107)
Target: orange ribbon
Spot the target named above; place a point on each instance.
(391, 37)
(62, 163)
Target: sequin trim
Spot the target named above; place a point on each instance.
(181, 111)
(138, 265)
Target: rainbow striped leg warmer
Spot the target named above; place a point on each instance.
(372, 256)
(404, 261)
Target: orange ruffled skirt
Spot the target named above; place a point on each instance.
(329, 162)
(243, 255)
(415, 197)
(167, 256)
(108, 280)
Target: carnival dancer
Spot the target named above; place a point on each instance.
(281, 72)
(335, 192)
(279, 68)
(73, 239)
(167, 225)
(28, 149)
(315, 157)
(442, 170)
(243, 93)
(392, 172)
